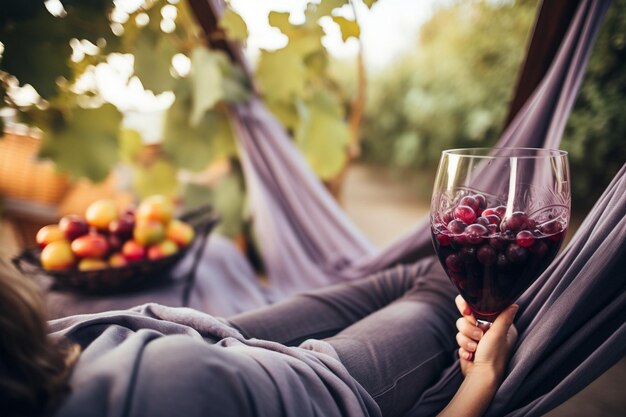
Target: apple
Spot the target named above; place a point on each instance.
(48, 234)
(133, 251)
(92, 245)
(57, 256)
(122, 227)
(92, 264)
(100, 213)
(156, 207)
(180, 232)
(162, 249)
(73, 226)
(148, 232)
(117, 260)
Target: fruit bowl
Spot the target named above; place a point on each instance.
(131, 277)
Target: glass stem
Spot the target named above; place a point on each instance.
(483, 325)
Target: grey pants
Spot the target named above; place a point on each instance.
(394, 331)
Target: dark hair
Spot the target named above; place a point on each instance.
(34, 368)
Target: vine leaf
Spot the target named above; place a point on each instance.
(323, 134)
(324, 8)
(130, 144)
(206, 81)
(195, 147)
(348, 27)
(85, 144)
(153, 59)
(234, 26)
(36, 44)
(281, 74)
(159, 177)
(280, 20)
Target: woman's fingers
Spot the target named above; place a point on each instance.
(464, 355)
(468, 329)
(466, 343)
(464, 308)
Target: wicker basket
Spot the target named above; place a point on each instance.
(23, 176)
(132, 277)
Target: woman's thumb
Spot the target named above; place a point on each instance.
(504, 320)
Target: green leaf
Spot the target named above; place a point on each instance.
(286, 112)
(85, 145)
(195, 147)
(234, 26)
(153, 58)
(348, 27)
(157, 178)
(234, 84)
(323, 135)
(280, 20)
(130, 144)
(315, 12)
(228, 198)
(36, 43)
(281, 74)
(37, 52)
(206, 81)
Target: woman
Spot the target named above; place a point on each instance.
(369, 347)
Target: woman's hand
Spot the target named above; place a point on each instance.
(490, 353)
(485, 352)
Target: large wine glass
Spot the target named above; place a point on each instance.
(498, 218)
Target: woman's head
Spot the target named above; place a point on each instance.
(33, 368)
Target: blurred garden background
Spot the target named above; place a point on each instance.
(125, 99)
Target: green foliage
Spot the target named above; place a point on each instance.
(195, 146)
(300, 90)
(157, 177)
(234, 26)
(295, 81)
(153, 56)
(228, 197)
(452, 91)
(349, 28)
(36, 43)
(281, 74)
(83, 142)
(322, 135)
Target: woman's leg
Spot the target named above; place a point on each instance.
(324, 312)
(400, 350)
